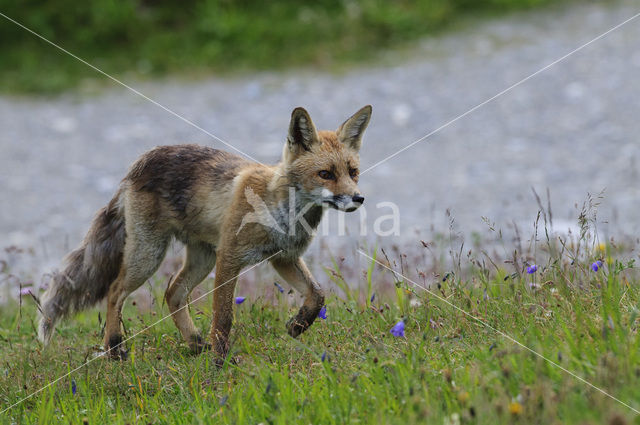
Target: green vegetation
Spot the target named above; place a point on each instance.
(448, 368)
(142, 38)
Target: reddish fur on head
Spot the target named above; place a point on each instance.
(325, 164)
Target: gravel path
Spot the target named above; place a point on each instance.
(573, 129)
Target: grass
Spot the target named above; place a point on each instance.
(448, 369)
(142, 39)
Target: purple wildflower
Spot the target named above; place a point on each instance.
(73, 387)
(398, 329)
(532, 269)
(433, 324)
(280, 288)
(323, 357)
(323, 312)
(595, 266)
(373, 297)
(25, 290)
(240, 300)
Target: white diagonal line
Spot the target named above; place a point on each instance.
(491, 99)
(175, 114)
(135, 335)
(498, 331)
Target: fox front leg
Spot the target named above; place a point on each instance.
(296, 273)
(227, 270)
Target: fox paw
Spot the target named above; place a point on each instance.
(303, 320)
(118, 354)
(116, 349)
(295, 328)
(198, 345)
(221, 353)
(220, 360)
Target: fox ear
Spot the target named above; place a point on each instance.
(351, 131)
(302, 133)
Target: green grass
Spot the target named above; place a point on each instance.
(448, 368)
(141, 39)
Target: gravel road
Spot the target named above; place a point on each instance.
(573, 129)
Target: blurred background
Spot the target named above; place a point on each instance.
(238, 68)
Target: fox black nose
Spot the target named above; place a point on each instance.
(358, 199)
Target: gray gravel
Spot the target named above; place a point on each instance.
(573, 129)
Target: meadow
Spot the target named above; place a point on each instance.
(569, 300)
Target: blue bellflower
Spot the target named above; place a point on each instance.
(323, 312)
(398, 329)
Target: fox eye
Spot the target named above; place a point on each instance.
(353, 172)
(327, 175)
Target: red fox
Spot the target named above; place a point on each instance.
(206, 199)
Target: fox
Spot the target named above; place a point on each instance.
(206, 199)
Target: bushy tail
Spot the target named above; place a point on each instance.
(89, 270)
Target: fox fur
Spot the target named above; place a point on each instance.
(206, 199)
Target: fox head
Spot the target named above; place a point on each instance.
(324, 165)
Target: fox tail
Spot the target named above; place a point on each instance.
(89, 270)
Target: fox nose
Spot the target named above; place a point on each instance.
(357, 199)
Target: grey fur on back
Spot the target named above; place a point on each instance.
(89, 270)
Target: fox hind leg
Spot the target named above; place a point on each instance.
(143, 254)
(199, 261)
